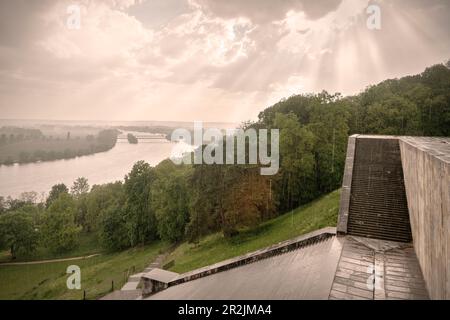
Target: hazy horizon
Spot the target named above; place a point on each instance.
(191, 121)
(208, 60)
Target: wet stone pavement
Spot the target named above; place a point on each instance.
(371, 269)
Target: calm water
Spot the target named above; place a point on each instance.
(99, 168)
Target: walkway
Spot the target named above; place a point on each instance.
(47, 261)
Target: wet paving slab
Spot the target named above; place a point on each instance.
(371, 269)
(305, 273)
(335, 268)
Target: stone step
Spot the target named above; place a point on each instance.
(135, 277)
(131, 285)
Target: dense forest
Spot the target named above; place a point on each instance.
(178, 202)
(23, 145)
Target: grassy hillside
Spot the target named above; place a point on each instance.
(48, 281)
(214, 248)
(88, 244)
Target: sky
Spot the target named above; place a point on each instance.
(204, 60)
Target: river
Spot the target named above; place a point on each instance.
(98, 168)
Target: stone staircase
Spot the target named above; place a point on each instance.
(130, 290)
(378, 206)
(135, 279)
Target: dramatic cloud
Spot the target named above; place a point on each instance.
(203, 59)
(263, 11)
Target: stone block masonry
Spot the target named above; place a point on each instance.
(426, 166)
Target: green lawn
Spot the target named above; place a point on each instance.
(87, 244)
(48, 281)
(214, 248)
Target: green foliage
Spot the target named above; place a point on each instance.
(17, 232)
(80, 187)
(59, 230)
(102, 198)
(3, 207)
(55, 192)
(296, 177)
(415, 105)
(215, 247)
(114, 235)
(227, 198)
(29, 197)
(141, 221)
(247, 199)
(105, 213)
(170, 200)
(314, 128)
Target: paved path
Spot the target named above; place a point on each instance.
(47, 261)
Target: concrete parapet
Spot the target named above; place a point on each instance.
(344, 203)
(426, 166)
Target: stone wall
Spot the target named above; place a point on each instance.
(426, 168)
(344, 203)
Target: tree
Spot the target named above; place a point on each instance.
(3, 207)
(170, 202)
(114, 235)
(29, 197)
(59, 230)
(132, 138)
(55, 192)
(204, 216)
(18, 233)
(247, 201)
(15, 204)
(101, 200)
(329, 124)
(141, 220)
(298, 182)
(3, 139)
(80, 187)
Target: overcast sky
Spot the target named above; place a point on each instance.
(210, 60)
